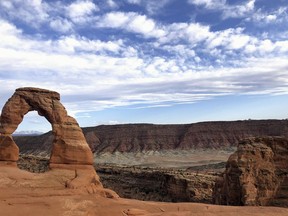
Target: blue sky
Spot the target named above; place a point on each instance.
(134, 61)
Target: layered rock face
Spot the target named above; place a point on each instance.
(256, 174)
(69, 144)
(149, 137)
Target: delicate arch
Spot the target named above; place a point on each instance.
(69, 144)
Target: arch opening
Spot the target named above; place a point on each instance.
(34, 139)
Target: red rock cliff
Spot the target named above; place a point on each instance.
(256, 174)
(145, 137)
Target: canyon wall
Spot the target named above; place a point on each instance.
(149, 137)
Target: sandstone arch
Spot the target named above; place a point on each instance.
(69, 145)
(71, 158)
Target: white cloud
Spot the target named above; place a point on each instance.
(237, 10)
(154, 7)
(197, 32)
(32, 12)
(115, 20)
(8, 29)
(271, 18)
(134, 1)
(131, 22)
(180, 50)
(80, 10)
(141, 24)
(282, 46)
(61, 25)
(72, 44)
(151, 7)
(266, 47)
(194, 33)
(11, 37)
(210, 4)
(58, 15)
(112, 4)
(238, 41)
(277, 16)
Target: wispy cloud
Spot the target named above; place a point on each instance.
(274, 16)
(228, 10)
(33, 12)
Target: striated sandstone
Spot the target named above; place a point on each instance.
(149, 137)
(256, 174)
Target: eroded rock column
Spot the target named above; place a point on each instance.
(255, 173)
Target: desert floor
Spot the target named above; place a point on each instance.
(166, 159)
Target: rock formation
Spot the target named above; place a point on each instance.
(69, 144)
(69, 150)
(256, 174)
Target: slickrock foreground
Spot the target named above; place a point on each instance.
(24, 193)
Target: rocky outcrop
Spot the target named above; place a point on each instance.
(70, 150)
(256, 174)
(166, 185)
(9, 151)
(149, 137)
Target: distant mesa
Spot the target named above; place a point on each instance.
(69, 149)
